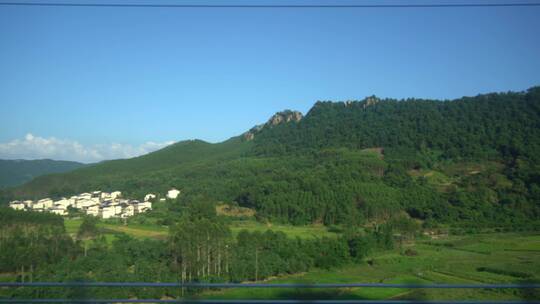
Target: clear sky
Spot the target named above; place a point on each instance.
(119, 82)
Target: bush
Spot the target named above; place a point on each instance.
(410, 252)
(516, 274)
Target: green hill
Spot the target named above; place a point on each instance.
(19, 171)
(473, 161)
(135, 176)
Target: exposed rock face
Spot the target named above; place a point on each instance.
(372, 100)
(276, 119)
(249, 135)
(284, 116)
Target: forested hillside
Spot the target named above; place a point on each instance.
(491, 126)
(473, 161)
(17, 172)
(153, 172)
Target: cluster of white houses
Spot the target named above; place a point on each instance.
(102, 204)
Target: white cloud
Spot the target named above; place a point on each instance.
(36, 147)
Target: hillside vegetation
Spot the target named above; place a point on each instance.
(17, 172)
(374, 191)
(470, 162)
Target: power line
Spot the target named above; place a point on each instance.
(134, 5)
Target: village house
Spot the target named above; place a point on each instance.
(28, 203)
(58, 211)
(128, 211)
(173, 193)
(17, 205)
(93, 210)
(143, 207)
(149, 196)
(107, 212)
(59, 206)
(105, 196)
(85, 196)
(98, 203)
(85, 203)
(64, 202)
(45, 203)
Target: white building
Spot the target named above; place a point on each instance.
(17, 205)
(63, 202)
(116, 194)
(85, 203)
(37, 205)
(143, 207)
(85, 195)
(107, 212)
(58, 211)
(105, 196)
(97, 203)
(173, 193)
(149, 196)
(117, 209)
(59, 206)
(72, 200)
(93, 210)
(28, 203)
(128, 211)
(45, 203)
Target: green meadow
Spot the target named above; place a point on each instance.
(475, 259)
(160, 232)
(110, 229)
(304, 232)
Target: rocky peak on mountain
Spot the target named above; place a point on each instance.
(369, 101)
(284, 116)
(276, 119)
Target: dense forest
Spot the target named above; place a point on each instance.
(473, 161)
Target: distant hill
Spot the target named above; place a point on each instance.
(473, 161)
(17, 172)
(153, 172)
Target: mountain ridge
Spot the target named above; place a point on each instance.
(14, 172)
(327, 165)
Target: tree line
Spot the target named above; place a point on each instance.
(200, 248)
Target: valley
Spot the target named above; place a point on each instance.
(205, 151)
(376, 190)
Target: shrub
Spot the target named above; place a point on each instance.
(516, 274)
(410, 252)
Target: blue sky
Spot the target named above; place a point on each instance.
(137, 78)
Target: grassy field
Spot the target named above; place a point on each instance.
(481, 258)
(111, 229)
(72, 225)
(490, 258)
(160, 232)
(304, 232)
(139, 231)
